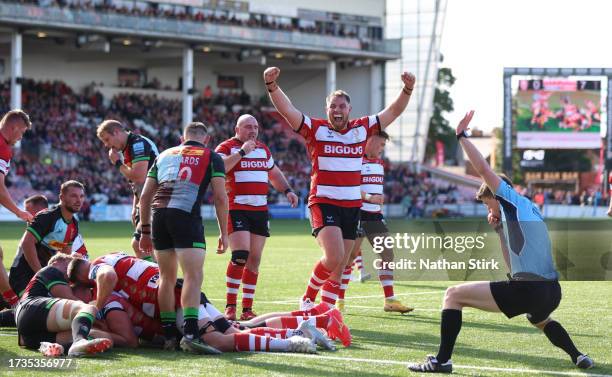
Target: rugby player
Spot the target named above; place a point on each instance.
(249, 167)
(50, 317)
(52, 231)
(130, 285)
(533, 288)
(133, 155)
(12, 127)
(336, 147)
(33, 205)
(372, 223)
(175, 189)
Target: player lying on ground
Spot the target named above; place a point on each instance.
(323, 316)
(533, 288)
(123, 317)
(372, 223)
(49, 316)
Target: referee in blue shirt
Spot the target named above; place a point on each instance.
(533, 288)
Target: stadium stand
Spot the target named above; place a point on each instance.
(63, 144)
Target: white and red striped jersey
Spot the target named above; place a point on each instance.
(247, 182)
(5, 156)
(372, 180)
(336, 158)
(137, 279)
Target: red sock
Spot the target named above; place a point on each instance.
(233, 277)
(386, 280)
(10, 297)
(274, 333)
(321, 321)
(329, 292)
(290, 322)
(320, 308)
(249, 281)
(319, 275)
(359, 261)
(346, 278)
(251, 342)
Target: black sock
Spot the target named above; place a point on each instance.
(7, 318)
(81, 325)
(560, 338)
(449, 329)
(246, 310)
(168, 320)
(191, 322)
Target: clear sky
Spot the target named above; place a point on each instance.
(481, 37)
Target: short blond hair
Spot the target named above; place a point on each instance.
(68, 184)
(338, 93)
(16, 114)
(60, 257)
(109, 126)
(485, 192)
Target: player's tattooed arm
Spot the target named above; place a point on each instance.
(397, 107)
(280, 100)
(478, 161)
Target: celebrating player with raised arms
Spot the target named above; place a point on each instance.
(336, 146)
(533, 288)
(133, 155)
(249, 167)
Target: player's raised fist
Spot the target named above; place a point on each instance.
(408, 80)
(271, 74)
(248, 146)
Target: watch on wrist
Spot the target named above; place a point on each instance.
(242, 153)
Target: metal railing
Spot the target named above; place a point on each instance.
(191, 31)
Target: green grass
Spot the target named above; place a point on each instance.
(486, 339)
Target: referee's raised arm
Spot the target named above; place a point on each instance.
(478, 161)
(279, 99)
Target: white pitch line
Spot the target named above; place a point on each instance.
(2, 334)
(296, 300)
(472, 367)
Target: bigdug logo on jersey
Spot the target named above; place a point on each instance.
(376, 179)
(253, 164)
(342, 149)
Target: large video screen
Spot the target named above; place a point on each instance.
(558, 113)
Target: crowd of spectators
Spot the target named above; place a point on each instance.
(237, 17)
(63, 144)
(583, 198)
